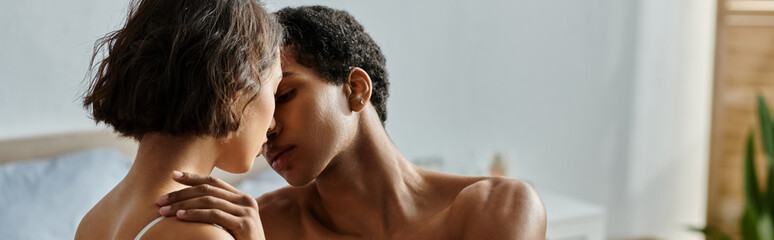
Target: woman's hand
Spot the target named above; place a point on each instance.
(211, 200)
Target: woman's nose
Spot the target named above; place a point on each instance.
(273, 129)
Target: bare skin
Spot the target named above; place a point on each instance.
(351, 182)
(129, 207)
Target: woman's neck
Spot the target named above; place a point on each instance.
(159, 155)
(372, 179)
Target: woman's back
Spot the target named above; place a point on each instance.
(119, 215)
(126, 210)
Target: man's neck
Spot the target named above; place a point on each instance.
(370, 188)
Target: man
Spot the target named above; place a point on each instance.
(348, 179)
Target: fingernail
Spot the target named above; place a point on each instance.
(177, 174)
(180, 212)
(162, 199)
(165, 209)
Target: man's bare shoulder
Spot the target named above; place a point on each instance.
(501, 208)
(281, 211)
(283, 203)
(496, 190)
(282, 198)
(173, 228)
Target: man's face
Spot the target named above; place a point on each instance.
(314, 123)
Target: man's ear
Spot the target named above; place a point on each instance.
(358, 89)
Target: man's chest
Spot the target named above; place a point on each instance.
(438, 226)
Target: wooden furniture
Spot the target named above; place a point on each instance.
(744, 67)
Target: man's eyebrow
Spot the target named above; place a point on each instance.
(287, 74)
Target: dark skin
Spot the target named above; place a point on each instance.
(351, 182)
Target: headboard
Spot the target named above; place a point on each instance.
(46, 146)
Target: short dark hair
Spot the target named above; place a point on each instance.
(177, 66)
(332, 42)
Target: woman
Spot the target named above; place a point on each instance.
(193, 81)
(349, 180)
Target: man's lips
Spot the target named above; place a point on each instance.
(277, 153)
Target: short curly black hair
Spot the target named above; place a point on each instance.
(332, 42)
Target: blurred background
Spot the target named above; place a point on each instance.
(613, 110)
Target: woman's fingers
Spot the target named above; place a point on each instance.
(206, 202)
(211, 200)
(192, 179)
(198, 191)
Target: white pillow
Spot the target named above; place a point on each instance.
(262, 182)
(46, 198)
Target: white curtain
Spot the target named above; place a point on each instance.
(666, 177)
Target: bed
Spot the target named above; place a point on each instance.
(48, 183)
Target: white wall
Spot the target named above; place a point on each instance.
(568, 87)
(44, 55)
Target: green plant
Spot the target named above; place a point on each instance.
(756, 222)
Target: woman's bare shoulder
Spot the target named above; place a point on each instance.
(173, 228)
